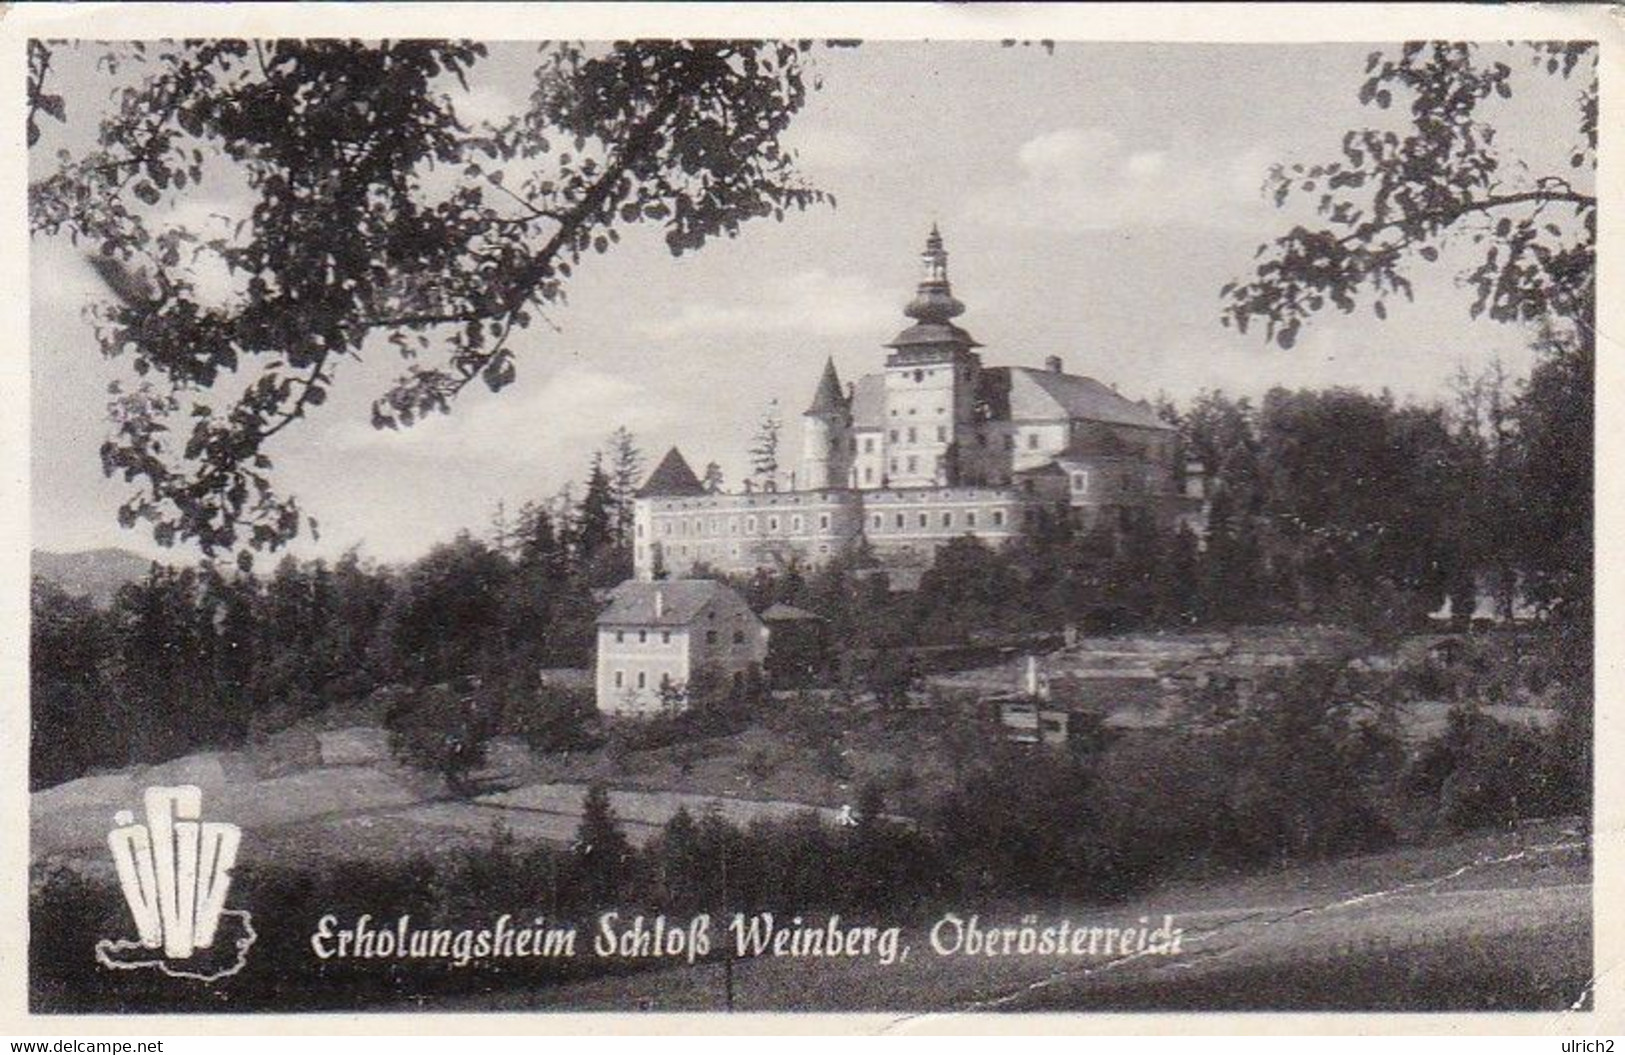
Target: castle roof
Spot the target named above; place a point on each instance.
(828, 398)
(672, 478)
(1018, 393)
(932, 335)
(869, 401)
(671, 602)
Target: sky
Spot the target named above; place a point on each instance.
(1093, 200)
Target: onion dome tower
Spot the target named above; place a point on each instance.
(932, 338)
(932, 376)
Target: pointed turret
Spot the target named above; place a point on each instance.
(672, 478)
(828, 400)
(933, 306)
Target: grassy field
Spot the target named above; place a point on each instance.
(1498, 922)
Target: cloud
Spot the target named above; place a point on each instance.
(570, 411)
(1087, 179)
(811, 302)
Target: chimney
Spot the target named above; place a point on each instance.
(1053, 364)
(660, 603)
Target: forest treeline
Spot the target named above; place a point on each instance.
(1333, 506)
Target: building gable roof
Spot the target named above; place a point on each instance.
(672, 477)
(787, 613)
(1040, 394)
(869, 402)
(633, 603)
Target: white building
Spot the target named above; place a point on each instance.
(660, 633)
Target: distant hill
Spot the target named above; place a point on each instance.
(94, 573)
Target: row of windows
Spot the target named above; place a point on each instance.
(642, 678)
(710, 549)
(712, 637)
(643, 637)
(911, 435)
(945, 519)
(700, 526)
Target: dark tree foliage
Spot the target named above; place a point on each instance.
(603, 857)
(379, 219)
(1395, 198)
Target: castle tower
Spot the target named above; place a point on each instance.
(931, 378)
(825, 427)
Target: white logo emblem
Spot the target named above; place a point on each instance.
(175, 871)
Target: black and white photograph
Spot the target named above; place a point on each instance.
(880, 523)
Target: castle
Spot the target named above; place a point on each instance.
(935, 446)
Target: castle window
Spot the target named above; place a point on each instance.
(894, 465)
(620, 678)
(868, 445)
(970, 519)
(666, 528)
(942, 410)
(925, 520)
(620, 637)
(892, 435)
(772, 523)
(823, 521)
(665, 637)
(998, 518)
(913, 434)
(699, 526)
(643, 679)
(852, 445)
(1080, 482)
(795, 525)
(919, 376)
(750, 525)
(899, 520)
(1032, 441)
(643, 637)
(913, 463)
(876, 521)
(868, 474)
(947, 520)
(640, 531)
